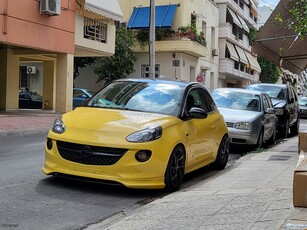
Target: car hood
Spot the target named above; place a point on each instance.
(278, 103)
(114, 120)
(234, 115)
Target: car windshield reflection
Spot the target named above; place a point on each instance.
(273, 91)
(237, 100)
(139, 96)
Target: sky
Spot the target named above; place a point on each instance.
(272, 3)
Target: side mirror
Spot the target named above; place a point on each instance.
(291, 100)
(198, 113)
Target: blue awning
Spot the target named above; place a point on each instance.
(164, 16)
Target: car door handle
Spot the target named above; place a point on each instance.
(212, 126)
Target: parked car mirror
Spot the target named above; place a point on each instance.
(270, 111)
(198, 113)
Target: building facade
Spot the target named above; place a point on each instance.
(188, 47)
(237, 20)
(39, 41)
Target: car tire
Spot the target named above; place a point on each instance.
(285, 130)
(175, 169)
(222, 154)
(273, 138)
(295, 128)
(260, 142)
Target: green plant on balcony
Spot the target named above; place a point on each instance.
(142, 36)
(189, 32)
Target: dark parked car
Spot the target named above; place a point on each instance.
(303, 106)
(249, 115)
(80, 95)
(286, 106)
(30, 100)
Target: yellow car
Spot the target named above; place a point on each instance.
(141, 133)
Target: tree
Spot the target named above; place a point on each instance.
(80, 62)
(269, 71)
(121, 64)
(298, 17)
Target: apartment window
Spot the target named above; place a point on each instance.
(145, 71)
(242, 67)
(241, 3)
(236, 64)
(95, 30)
(193, 20)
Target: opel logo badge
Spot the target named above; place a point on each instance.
(86, 151)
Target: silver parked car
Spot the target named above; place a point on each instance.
(303, 107)
(249, 115)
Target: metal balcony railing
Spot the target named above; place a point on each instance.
(95, 30)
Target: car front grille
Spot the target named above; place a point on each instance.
(89, 155)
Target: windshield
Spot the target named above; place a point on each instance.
(35, 96)
(150, 97)
(236, 100)
(303, 102)
(273, 91)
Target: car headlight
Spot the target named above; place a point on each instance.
(279, 111)
(58, 126)
(149, 134)
(243, 125)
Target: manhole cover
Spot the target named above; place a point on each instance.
(279, 158)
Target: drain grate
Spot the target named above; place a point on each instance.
(279, 158)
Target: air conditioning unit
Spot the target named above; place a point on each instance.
(31, 69)
(50, 7)
(215, 52)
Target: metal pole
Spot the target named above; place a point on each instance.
(152, 34)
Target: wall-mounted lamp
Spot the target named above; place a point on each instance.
(174, 55)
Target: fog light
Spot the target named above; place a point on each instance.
(49, 143)
(143, 155)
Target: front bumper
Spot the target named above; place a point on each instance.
(126, 171)
(243, 137)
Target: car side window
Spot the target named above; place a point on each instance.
(79, 94)
(265, 103)
(200, 98)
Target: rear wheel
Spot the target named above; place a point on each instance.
(222, 154)
(175, 169)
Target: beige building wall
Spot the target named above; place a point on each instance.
(191, 64)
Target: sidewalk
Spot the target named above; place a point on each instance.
(255, 193)
(18, 122)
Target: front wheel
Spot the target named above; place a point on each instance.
(175, 169)
(295, 128)
(272, 140)
(259, 144)
(285, 129)
(222, 154)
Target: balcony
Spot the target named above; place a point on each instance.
(93, 37)
(182, 40)
(227, 67)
